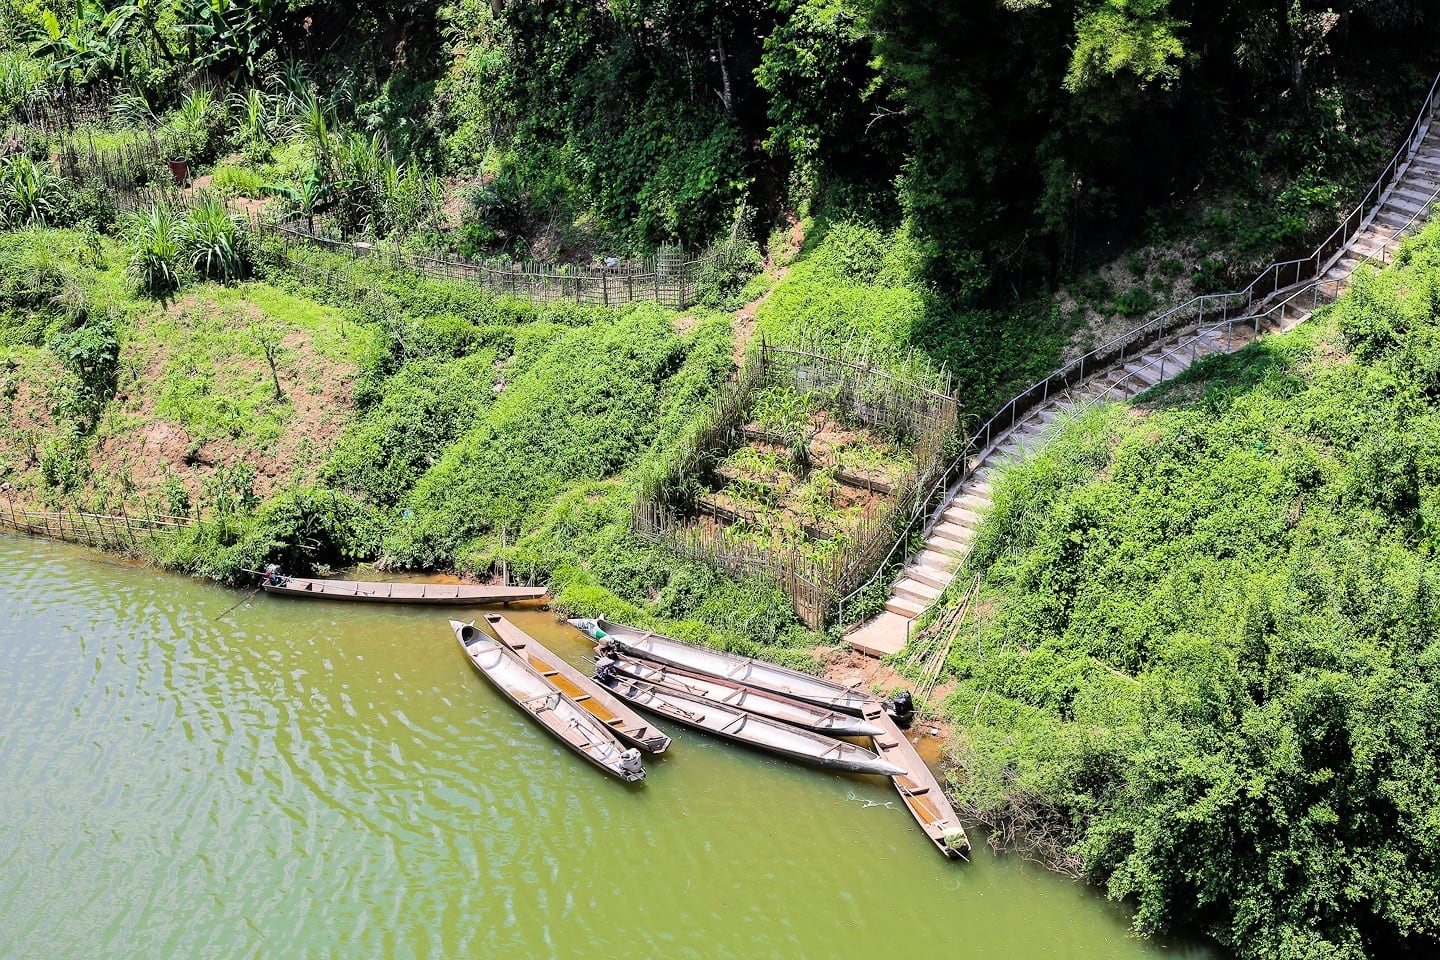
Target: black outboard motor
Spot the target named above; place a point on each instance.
(902, 708)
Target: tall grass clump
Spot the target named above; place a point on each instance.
(156, 239)
(30, 195)
(213, 243)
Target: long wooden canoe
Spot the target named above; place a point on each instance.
(524, 686)
(727, 666)
(377, 592)
(607, 708)
(919, 789)
(750, 729)
(797, 713)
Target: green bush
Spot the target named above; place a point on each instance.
(30, 195)
(581, 409)
(1211, 655)
(213, 242)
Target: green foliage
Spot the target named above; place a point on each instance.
(168, 248)
(426, 405)
(213, 242)
(30, 195)
(23, 80)
(91, 352)
(232, 181)
(1211, 665)
(156, 238)
(580, 410)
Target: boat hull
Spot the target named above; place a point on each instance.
(797, 713)
(727, 666)
(920, 791)
(567, 721)
(749, 729)
(609, 709)
(361, 591)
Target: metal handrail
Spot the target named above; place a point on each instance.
(1156, 328)
(1313, 288)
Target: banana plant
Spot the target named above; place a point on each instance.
(230, 34)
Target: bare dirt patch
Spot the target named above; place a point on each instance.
(1122, 294)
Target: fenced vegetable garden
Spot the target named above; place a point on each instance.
(803, 471)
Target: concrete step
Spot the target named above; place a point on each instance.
(1403, 204)
(939, 579)
(1147, 372)
(915, 590)
(1423, 166)
(953, 532)
(960, 519)
(1367, 246)
(974, 501)
(943, 544)
(904, 606)
(1410, 191)
(977, 487)
(882, 636)
(936, 560)
(1393, 219)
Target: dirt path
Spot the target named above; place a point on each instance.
(744, 325)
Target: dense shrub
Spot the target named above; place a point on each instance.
(1212, 667)
(580, 410)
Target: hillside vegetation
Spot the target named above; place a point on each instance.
(1211, 663)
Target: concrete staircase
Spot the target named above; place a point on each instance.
(951, 530)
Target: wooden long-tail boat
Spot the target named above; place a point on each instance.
(727, 666)
(370, 591)
(748, 728)
(604, 705)
(528, 689)
(797, 713)
(919, 789)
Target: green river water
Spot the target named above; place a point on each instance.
(311, 779)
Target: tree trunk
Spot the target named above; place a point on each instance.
(724, 76)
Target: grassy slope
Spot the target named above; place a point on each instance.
(424, 424)
(1210, 663)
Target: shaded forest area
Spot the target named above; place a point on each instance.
(1020, 139)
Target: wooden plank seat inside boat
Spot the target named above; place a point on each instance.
(909, 787)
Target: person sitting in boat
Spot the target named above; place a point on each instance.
(273, 576)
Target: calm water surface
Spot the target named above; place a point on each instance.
(308, 779)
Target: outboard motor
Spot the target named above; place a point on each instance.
(632, 765)
(604, 669)
(902, 708)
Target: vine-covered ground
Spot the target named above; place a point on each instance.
(1207, 669)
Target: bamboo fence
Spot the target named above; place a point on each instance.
(137, 175)
(120, 532)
